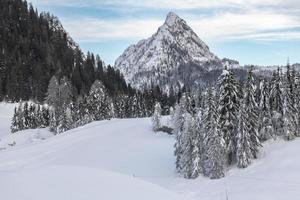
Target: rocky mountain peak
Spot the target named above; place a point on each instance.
(172, 19)
(172, 57)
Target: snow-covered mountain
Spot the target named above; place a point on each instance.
(174, 55)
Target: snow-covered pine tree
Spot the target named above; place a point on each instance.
(45, 117)
(52, 99)
(25, 116)
(265, 126)
(59, 96)
(134, 106)
(65, 121)
(119, 106)
(209, 124)
(84, 116)
(180, 110)
(244, 152)
(15, 121)
(38, 115)
(297, 92)
(227, 111)
(21, 120)
(62, 111)
(32, 117)
(156, 117)
(198, 147)
(276, 102)
(288, 125)
(251, 111)
(215, 164)
(99, 103)
(188, 135)
(290, 115)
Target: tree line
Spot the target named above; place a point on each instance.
(226, 124)
(61, 111)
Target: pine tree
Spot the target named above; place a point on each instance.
(15, 122)
(209, 123)
(297, 92)
(265, 126)
(32, 123)
(276, 102)
(26, 116)
(180, 110)
(216, 154)
(228, 111)
(83, 114)
(99, 103)
(59, 97)
(186, 160)
(65, 121)
(290, 114)
(244, 141)
(198, 146)
(21, 119)
(45, 117)
(251, 110)
(288, 125)
(156, 118)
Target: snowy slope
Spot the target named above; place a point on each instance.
(124, 159)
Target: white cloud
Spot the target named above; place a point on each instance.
(273, 36)
(232, 25)
(250, 19)
(171, 4)
(222, 26)
(91, 29)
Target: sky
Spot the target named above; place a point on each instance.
(260, 32)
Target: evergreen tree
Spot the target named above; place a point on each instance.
(156, 118)
(198, 147)
(15, 126)
(265, 126)
(84, 117)
(290, 115)
(26, 122)
(59, 96)
(99, 103)
(276, 102)
(180, 110)
(251, 110)
(227, 111)
(186, 160)
(65, 121)
(210, 117)
(297, 92)
(244, 141)
(45, 117)
(216, 154)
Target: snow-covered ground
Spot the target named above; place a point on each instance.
(124, 159)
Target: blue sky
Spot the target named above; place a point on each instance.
(263, 32)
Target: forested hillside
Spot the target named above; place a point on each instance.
(34, 46)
